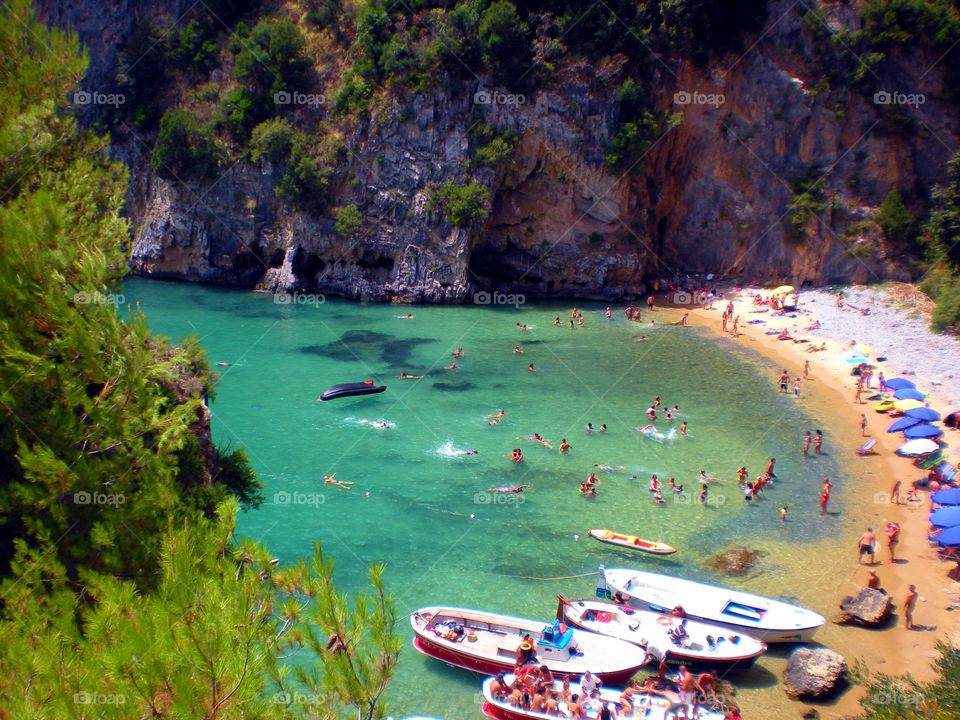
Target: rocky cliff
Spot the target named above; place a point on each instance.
(712, 194)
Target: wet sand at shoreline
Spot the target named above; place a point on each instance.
(828, 393)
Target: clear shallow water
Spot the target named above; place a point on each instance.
(417, 516)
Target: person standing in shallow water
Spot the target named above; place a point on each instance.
(818, 443)
(806, 442)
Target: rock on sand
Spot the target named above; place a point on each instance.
(868, 607)
(813, 673)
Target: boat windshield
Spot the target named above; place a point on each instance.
(743, 612)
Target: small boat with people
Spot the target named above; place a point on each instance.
(635, 702)
(765, 619)
(670, 637)
(631, 542)
(490, 643)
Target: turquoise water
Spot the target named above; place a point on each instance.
(428, 516)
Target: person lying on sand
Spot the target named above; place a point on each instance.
(817, 348)
(332, 480)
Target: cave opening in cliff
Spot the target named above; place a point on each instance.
(379, 269)
(492, 267)
(307, 268)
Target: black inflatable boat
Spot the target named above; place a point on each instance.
(350, 389)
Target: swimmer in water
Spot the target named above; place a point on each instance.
(516, 455)
(408, 316)
(683, 429)
(589, 427)
(496, 417)
(332, 480)
(556, 321)
(531, 368)
(518, 350)
(407, 376)
(564, 445)
(518, 489)
(379, 424)
(641, 338)
(537, 437)
(458, 353)
(224, 364)
(603, 427)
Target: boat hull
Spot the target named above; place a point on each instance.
(489, 666)
(676, 656)
(351, 390)
(683, 592)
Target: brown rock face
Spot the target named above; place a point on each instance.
(711, 195)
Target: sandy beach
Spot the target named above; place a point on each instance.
(829, 393)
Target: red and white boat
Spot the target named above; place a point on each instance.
(488, 643)
(679, 641)
(643, 706)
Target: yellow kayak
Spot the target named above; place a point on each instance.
(631, 541)
(883, 406)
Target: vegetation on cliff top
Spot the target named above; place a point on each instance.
(122, 587)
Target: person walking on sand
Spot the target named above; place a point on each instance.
(863, 425)
(909, 602)
(736, 322)
(857, 392)
(806, 369)
(818, 443)
(806, 442)
(895, 493)
(796, 388)
(865, 546)
(725, 316)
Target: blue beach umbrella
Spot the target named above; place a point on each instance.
(899, 384)
(922, 431)
(949, 537)
(945, 517)
(908, 394)
(856, 359)
(903, 423)
(924, 413)
(950, 496)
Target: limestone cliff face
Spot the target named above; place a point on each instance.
(711, 195)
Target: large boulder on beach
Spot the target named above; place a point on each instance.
(734, 561)
(813, 673)
(868, 607)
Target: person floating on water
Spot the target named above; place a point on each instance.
(496, 417)
(408, 376)
(452, 366)
(458, 353)
(517, 489)
(408, 316)
(531, 368)
(332, 480)
(517, 349)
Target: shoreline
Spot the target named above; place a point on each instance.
(828, 393)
